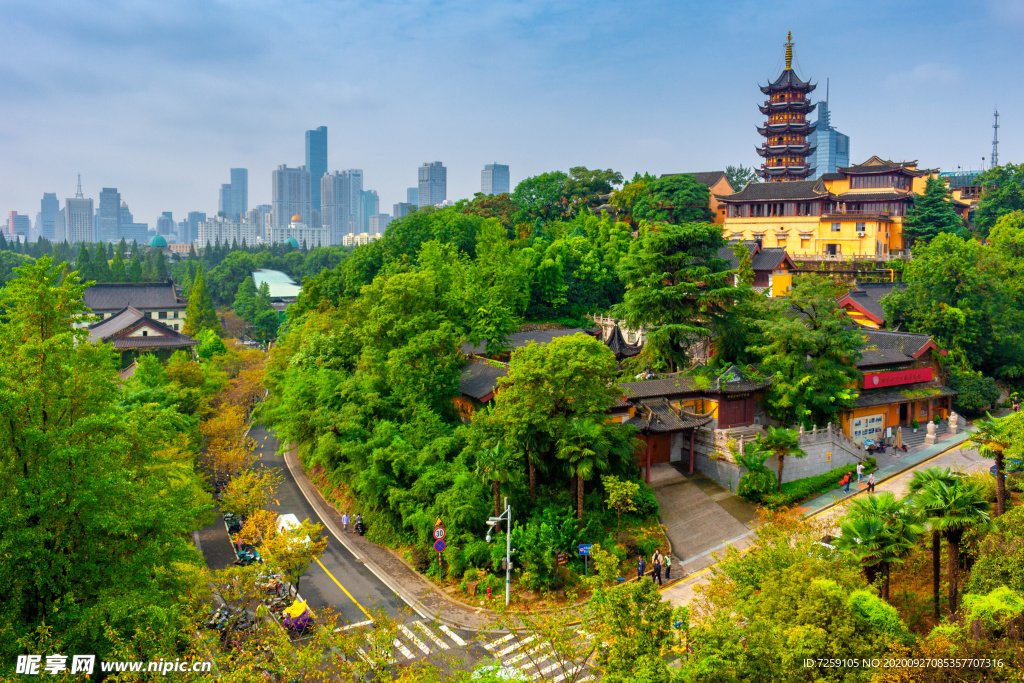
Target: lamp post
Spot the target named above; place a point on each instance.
(505, 516)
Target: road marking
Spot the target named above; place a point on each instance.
(499, 641)
(527, 653)
(543, 672)
(352, 626)
(402, 648)
(515, 646)
(412, 636)
(571, 672)
(368, 615)
(430, 634)
(375, 649)
(454, 636)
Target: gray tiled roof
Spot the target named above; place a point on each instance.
(883, 347)
(107, 328)
(768, 259)
(910, 392)
(868, 295)
(115, 330)
(832, 176)
(520, 339)
(662, 418)
(143, 296)
(878, 165)
(480, 379)
(795, 189)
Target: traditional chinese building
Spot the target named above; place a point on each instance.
(785, 149)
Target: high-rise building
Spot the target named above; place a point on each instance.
(369, 205)
(378, 223)
(299, 234)
(412, 196)
(785, 149)
(165, 223)
(291, 195)
(433, 188)
(225, 231)
(239, 191)
(60, 233)
(341, 193)
(224, 207)
(316, 164)
(48, 209)
(108, 217)
(494, 179)
(18, 224)
(831, 149)
(402, 209)
(78, 217)
(189, 229)
(129, 229)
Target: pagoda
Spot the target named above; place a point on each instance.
(786, 148)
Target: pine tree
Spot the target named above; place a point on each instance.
(192, 256)
(100, 267)
(149, 267)
(110, 250)
(161, 266)
(3, 242)
(933, 213)
(123, 247)
(135, 269)
(266, 318)
(234, 244)
(200, 313)
(245, 300)
(118, 269)
(83, 264)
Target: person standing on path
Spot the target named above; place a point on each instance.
(344, 522)
(668, 566)
(641, 566)
(656, 569)
(860, 471)
(845, 483)
(871, 483)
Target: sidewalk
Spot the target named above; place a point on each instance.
(420, 594)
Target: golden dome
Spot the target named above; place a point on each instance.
(296, 218)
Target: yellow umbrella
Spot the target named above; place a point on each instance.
(297, 608)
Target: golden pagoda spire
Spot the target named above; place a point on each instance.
(789, 51)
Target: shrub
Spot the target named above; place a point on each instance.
(419, 559)
(646, 503)
(628, 542)
(975, 391)
(801, 489)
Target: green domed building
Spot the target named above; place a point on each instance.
(157, 242)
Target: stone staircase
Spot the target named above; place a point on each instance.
(912, 440)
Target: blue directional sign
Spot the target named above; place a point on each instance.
(585, 548)
(439, 545)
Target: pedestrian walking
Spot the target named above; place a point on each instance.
(641, 566)
(860, 471)
(871, 483)
(668, 566)
(656, 569)
(1016, 404)
(845, 483)
(344, 522)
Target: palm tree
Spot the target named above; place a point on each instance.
(493, 465)
(878, 531)
(921, 480)
(955, 508)
(584, 447)
(993, 440)
(780, 442)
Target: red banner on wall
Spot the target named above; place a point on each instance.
(875, 380)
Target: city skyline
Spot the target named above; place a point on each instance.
(153, 144)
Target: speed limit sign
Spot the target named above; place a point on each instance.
(439, 532)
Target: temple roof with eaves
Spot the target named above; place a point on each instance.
(877, 164)
(767, 192)
(803, 107)
(788, 80)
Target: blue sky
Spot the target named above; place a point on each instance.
(160, 99)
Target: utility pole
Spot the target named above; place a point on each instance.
(994, 161)
(505, 516)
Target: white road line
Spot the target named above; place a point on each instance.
(527, 653)
(543, 672)
(374, 648)
(415, 641)
(571, 672)
(430, 634)
(352, 626)
(453, 635)
(363, 654)
(403, 649)
(499, 641)
(515, 646)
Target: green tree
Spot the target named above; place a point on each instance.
(739, 176)
(583, 447)
(118, 268)
(1000, 559)
(83, 264)
(135, 268)
(954, 508)
(245, 300)
(879, 531)
(96, 550)
(210, 344)
(1003, 193)
(622, 496)
(677, 289)
(199, 314)
(100, 267)
(992, 439)
(160, 265)
(933, 213)
(781, 442)
(920, 481)
(675, 199)
(808, 349)
(494, 466)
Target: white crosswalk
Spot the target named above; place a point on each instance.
(526, 653)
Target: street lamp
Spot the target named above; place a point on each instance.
(505, 516)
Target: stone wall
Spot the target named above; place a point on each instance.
(714, 460)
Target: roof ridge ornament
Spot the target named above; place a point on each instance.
(789, 51)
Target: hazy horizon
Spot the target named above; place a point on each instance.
(160, 100)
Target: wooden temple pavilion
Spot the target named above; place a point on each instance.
(786, 147)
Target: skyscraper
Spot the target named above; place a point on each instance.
(831, 148)
(192, 231)
(109, 215)
(165, 223)
(369, 205)
(433, 188)
(60, 233)
(224, 207)
(402, 209)
(494, 179)
(412, 196)
(379, 223)
(129, 229)
(341, 193)
(291, 195)
(316, 164)
(18, 224)
(239, 191)
(48, 209)
(78, 217)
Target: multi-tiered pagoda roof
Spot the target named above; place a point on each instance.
(786, 148)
